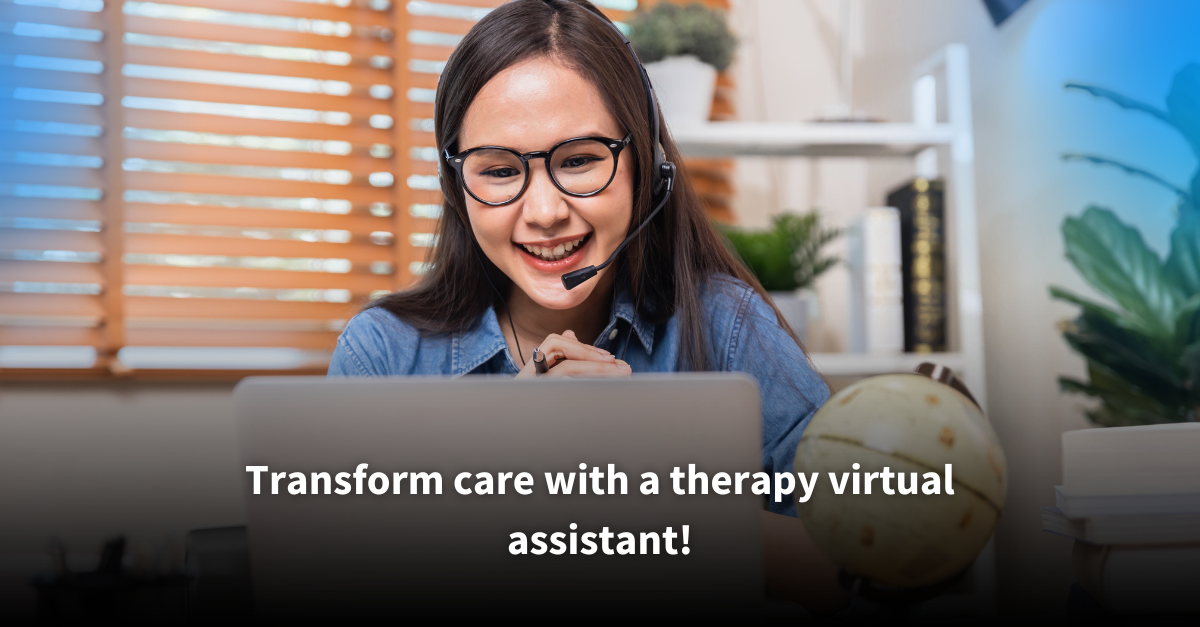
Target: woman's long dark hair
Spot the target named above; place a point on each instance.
(667, 262)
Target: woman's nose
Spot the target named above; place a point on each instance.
(544, 204)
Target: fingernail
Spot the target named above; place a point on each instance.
(601, 350)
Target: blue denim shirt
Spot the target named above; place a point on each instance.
(742, 333)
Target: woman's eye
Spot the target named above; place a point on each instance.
(578, 161)
(502, 172)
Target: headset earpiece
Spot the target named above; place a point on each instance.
(662, 173)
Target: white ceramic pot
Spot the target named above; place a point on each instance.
(795, 308)
(684, 86)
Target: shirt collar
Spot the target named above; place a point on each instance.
(477, 345)
(624, 309)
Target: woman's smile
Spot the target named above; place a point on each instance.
(556, 255)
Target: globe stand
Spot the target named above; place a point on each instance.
(895, 603)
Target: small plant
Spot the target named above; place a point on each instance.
(670, 30)
(1143, 357)
(787, 256)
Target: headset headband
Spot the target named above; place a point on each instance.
(659, 154)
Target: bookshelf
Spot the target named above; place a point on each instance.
(857, 364)
(917, 140)
(947, 74)
(780, 139)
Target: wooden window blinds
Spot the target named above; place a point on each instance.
(192, 186)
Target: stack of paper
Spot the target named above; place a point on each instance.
(1131, 499)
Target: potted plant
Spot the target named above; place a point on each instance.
(1143, 354)
(683, 47)
(786, 259)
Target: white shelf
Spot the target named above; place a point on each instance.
(861, 364)
(833, 139)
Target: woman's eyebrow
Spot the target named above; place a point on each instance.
(548, 146)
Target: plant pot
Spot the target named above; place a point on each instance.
(684, 86)
(796, 307)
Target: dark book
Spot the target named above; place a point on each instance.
(923, 262)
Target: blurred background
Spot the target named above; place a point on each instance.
(195, 191)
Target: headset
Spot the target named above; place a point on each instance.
(662, 182)
(663, 172)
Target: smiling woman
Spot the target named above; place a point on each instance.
(536, 185)
(537, 192)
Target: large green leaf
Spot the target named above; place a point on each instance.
(1123, 404)
(1115, 260)
(1116, 317)
(1194, 204)
(1183, 262)
(1191, 363)
(1183, 104)
(1122, 101)
(1184, 195)
(1128, 355)
(1187, 322)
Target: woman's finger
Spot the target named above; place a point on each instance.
(590, 369)
(566, 348)
(560, 347)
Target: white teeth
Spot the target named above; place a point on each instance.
(556, 253)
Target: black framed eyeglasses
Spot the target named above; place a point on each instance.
(579, 167)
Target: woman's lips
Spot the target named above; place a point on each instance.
(574, 256)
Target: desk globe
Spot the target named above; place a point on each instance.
(909, 423)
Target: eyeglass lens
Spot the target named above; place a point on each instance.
(581, 167)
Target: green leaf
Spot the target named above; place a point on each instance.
(788, 255)
(1187, 322)
(1127, 355)
(1183, 262)
(1110, 413)
(1131, 170)
(1122, 101)
(1115, 317)
(1194, 205)
(1191, 363)
(671, 29)
(1122, 403)
(1115, 260)
(1183, 104)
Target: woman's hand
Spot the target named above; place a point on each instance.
(568, 357)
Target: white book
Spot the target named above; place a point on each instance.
(1075, 504)
(1149, 459)
(877, 296)
(1160, 529)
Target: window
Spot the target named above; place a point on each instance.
(213, 186)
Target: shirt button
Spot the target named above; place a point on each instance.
(612, 335)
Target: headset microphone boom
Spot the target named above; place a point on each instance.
(663, 172)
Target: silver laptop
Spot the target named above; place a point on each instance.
(393, 555)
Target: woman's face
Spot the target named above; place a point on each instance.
(532, 107)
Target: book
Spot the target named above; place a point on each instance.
(1146, 459)
(1156, 529)
(1075, 504)
(877, 306)
(923, 262)
(1128, 579)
